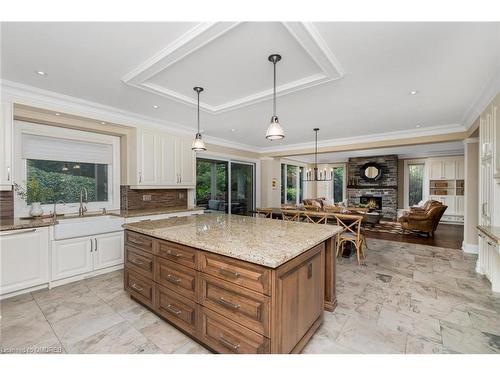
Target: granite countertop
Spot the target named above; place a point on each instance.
(25, 223)
(267, 242)
(493, 232)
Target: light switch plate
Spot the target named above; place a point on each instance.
(146, 197)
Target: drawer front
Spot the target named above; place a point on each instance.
(176, 277)
(249, 275)
(139, 261)
(176, 308)
(139, 287)
(244, 306)
(226, 336)
(175, 252)
(139, 241)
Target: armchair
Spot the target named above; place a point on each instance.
(423, 221)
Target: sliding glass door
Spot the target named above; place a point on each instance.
(242, 188)
(215, 179)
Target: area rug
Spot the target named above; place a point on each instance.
(392, 227)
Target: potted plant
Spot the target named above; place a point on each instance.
(34, 195)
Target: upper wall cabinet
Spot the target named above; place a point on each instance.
(164, 160)
(446, 168)
(6, 146)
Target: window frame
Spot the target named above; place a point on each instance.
(298, 178)
(21, 208)
(425, 183)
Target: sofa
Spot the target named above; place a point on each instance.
(423, 219)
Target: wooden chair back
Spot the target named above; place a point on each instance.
(289, 215)
(265, 213)
(310, 207)
(350, 223)
(317, 218)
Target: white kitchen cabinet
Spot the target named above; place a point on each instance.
(24, 259)
(164, 160)
(460, 169)
(76, 256)
(6, 121)
(108, 250)
(459, 205)
(448, 167)
(435, 170)
(71, 257)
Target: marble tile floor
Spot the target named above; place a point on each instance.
(406, 298)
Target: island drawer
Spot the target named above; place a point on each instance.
(177, 309)
(245, 274)
(176, 252)
(139, 287)
(249, 308)
(139, 261)
(226, 336)
(176, 277)
(139, 241)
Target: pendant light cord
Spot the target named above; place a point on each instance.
(316, 154)
(198, 112)
(274, 90)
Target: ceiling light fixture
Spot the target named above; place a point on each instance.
(413, 92)
(418, 126)
(274, 131)
(40, 73)
(58, 114)
(198, 144)
(156, 106)
(315, 174)
(103, 122)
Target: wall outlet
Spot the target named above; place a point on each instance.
(182, 195)
(146, 197)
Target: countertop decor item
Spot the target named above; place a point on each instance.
(198, 144)
(274, 131)
(34, 195)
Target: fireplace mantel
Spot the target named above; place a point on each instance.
(381, 187)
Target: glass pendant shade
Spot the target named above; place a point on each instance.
(275, 131)
(198, 144)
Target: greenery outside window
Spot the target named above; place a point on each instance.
(292, 184)
(415, 183)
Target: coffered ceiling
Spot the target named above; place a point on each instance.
(348, 79)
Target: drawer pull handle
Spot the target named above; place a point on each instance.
(223, 302)
(227, 272)
(138, 288)
(137, 261)
(177, 255)
(172, 309)
(228, 344)
(173, 279)
(137, 242)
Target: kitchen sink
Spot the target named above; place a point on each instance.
(87, 226)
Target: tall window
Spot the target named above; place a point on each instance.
(338, 184)
(415, 183)
(292, 186)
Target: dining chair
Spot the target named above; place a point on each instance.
(351, 225)
(266, 213)
(315, 217)
(290, 215)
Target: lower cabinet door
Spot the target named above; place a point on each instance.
(71, 257)
(139, 287)
(226, 336)
(108, 250)
(24, 259)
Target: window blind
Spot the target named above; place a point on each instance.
(59, 149)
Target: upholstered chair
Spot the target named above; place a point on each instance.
(423, 221)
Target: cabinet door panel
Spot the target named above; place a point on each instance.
(435, 170)
(450, 202)
(460, 169)
(71, 257)
(24, 259)
(459, 205)
(147, 155)
(167, 161)
(449, 169)
(108, 250)
(186, 162)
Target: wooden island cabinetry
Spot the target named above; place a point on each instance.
(227, 304)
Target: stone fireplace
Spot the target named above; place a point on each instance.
(384, 192)
(371, 201)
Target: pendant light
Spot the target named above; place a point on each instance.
(274, 131)
(316, 174)
(198, 144)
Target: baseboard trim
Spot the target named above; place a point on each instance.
(470, 248)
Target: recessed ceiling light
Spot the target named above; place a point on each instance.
(156, 106)
(58, 114)
(418, 126)
(233, 130)
(413, 92)
(103, 123)
(40, 73)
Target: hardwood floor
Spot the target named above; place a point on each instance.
(446, 235)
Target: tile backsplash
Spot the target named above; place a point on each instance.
(135, 199)
(6, 204)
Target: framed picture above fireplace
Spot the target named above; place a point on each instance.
(371, 171)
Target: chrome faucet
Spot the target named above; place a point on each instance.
(54, 213)
(83, 199)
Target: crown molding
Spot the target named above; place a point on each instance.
(490, 89)
(202, 34)
(39, 98)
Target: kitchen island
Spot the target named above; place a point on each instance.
(236, 284)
